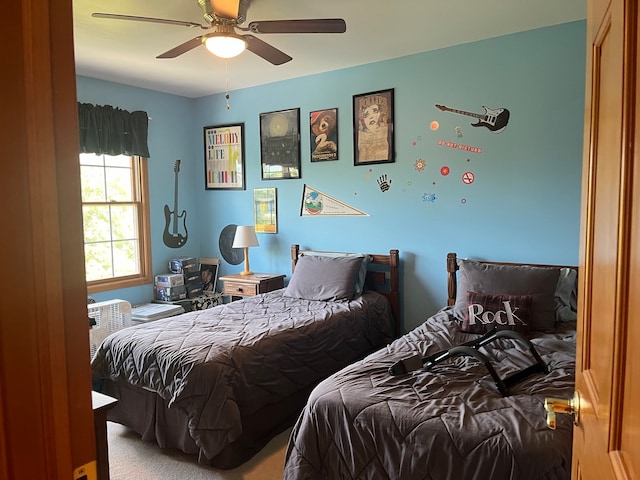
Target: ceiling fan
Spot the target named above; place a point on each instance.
(224, 17)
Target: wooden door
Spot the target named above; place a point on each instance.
(607, 438)
(46, 419)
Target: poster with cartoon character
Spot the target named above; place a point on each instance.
(324, 134)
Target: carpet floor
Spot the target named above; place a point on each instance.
(130, 457)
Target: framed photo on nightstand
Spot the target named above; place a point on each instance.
(209, 274)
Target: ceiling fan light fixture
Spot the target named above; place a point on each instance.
(225, 45)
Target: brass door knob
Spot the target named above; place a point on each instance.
(561, 405)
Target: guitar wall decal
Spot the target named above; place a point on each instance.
(494, 119)
(171, 237)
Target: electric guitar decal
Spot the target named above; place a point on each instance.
(494, 119)
(171, 237)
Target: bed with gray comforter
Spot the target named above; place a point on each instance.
(236, 374)
(450, 421)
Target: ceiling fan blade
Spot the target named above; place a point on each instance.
(182, 48)
(226, 8)
(268, 52)
(320, 25)
(180, 23)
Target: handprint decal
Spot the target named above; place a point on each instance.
(384, 183)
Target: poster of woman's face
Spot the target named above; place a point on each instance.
(373, 127)
(209, 274)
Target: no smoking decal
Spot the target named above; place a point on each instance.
(468, 178)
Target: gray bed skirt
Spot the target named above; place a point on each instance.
(148, 415)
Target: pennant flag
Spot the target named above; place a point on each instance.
(315, 203)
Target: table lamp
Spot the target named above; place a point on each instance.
(245, 237)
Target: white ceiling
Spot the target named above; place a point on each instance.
(124, 51)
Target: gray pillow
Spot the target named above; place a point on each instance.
(567, 295)
(324, 278)
(362, 274)
(540, 282)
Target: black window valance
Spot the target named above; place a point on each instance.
(112, 131)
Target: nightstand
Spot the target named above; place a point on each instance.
(238, 285)
(101, 405)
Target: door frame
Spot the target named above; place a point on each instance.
(46, 418)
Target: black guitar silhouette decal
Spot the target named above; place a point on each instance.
(171, 237)
(494, 119)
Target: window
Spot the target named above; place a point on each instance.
(115, 211)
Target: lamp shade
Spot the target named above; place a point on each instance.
(245, 237)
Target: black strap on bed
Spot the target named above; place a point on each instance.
(471, 349)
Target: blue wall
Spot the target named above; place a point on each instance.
(524, 204)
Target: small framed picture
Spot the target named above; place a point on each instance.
(224, 157)
(265, 210)
(280, 144)
(323, 126)
(209, 274)
(373, 140)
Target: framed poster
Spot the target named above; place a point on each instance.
(224, 157)
(265, 210)
(323, 126)
(373, 140)
(280, 144)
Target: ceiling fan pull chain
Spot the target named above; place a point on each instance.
(226, 79)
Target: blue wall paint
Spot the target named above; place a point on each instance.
(170, 131)
(523, 206)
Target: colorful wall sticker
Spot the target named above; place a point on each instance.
(384, 183)
(493, 119)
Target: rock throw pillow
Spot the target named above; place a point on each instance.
(486, 278)
(505, 312)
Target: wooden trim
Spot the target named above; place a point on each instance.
(625, 220)
(45, 403)
(147, 273)
(71, 340)
(145, 277)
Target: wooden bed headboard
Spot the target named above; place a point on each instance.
(382, 277)
(452, 268)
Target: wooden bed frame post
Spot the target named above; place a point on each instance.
(295, 253)
(452, 283)
(394, 293)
